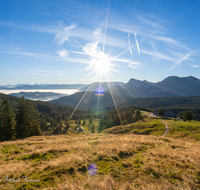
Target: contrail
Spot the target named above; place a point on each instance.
(156, 31)
(138, 48)
(105, 27)
(129, 43)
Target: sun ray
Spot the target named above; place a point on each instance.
(127, 91)
(62, 26)
(99, 92)
(120, 72)
(105, 28)
(78, 103)
(111, 51)
(114, 101)
(124, 87)
(86, 76)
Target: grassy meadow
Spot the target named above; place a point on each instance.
(132, 156)
(123, 162)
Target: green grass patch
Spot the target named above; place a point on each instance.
(184, 129)
(148, 126)
(36, 157)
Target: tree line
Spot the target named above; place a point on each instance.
(185, 115)
(23, 124)
(111, 117)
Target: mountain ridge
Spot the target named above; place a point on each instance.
(41, 86)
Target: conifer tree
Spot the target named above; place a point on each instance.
(188, 115)
(161, 112)
(92, 128)
(27, 119)
(7, 121)
(90, 120)
(60, 126)
(67, 125)
(83, 123)
(34, 121)
(137, 115)
(43, 124)
(79, 122)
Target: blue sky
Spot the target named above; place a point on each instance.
(68, 42)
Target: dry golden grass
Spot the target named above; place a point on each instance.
(124, 162)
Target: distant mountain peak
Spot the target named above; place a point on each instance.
(171, 78)
(176, 79)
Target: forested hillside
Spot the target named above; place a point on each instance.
(172, 104)
(49, 115)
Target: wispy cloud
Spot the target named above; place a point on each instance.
(165, 39)
(47, 73)
(193, 65)
(147, 27)
(24, 53)
(129, 43)
(135, 65)
(63, 53)
(46, 57)
(62, 36)
(138, 48)
(150, 22)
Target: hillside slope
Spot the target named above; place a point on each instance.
(90, 100)
(121, 161)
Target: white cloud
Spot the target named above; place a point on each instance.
(193, 65)
(97, 34)
(63, 53)
(97, 55)
(135, 65)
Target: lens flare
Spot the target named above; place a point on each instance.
(99, 91)
(92, 169)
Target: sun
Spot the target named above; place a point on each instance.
(101, 63)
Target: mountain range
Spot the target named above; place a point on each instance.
(42, 96)
(105, 85)
(88, 100)
(172, 86)
(41, 86)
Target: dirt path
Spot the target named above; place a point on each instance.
(166, 129)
